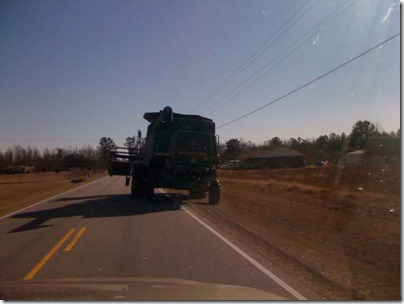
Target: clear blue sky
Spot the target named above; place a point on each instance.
(74, 71)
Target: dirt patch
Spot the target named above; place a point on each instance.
(337, 230)
(21, 190)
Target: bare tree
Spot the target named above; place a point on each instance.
(105, 148)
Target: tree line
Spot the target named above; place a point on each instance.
(58, 159)
(62, 159)
(364, 136)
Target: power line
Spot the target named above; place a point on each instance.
(310, 82)
(256, 54)
(55, 121)
(54, 139)
(272, 63)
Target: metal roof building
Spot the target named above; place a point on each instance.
(279, 157)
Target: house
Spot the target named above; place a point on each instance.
(279, 157)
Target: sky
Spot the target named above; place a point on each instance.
(74, 71)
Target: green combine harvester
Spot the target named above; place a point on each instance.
(180, 152)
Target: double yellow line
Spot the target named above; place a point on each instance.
(59, 244)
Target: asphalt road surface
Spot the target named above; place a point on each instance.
(100, 231)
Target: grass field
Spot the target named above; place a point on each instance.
(364, 190)
(21, 190)
(336, 229)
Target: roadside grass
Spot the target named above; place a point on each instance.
(374, 178)
(337, 229)
(18, 191)
(373, 189)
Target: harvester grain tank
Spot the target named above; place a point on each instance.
(180, 152)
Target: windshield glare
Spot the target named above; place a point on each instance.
(221, 149)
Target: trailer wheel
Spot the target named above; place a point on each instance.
(214, 192)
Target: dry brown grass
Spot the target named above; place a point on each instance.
(335, 229)
(372, 178)
(371, 190)
(21, 190)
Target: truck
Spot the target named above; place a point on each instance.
(180, 151)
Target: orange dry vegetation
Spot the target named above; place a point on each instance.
(372, 189)
(335, 229)
(21, 190)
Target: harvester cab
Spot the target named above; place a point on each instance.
(180, 152)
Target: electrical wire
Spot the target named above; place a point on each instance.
(273, 63)
(252, 58)
(309, 83)
(55, 139)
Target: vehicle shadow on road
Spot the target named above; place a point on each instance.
(96, 206)
(184, 199)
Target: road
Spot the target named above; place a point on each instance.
(100, 231)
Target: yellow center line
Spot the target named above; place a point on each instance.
(75, 239)
(47, 257)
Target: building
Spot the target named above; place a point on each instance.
(233, 164)
(279, 157)
(355, 157)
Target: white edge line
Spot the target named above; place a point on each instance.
(51, 198)
(268, 273)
